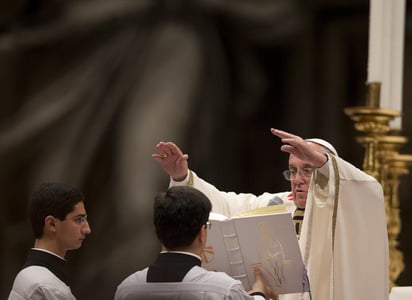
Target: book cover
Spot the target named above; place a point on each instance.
(263, 238)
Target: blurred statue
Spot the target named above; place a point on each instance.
(88, 87)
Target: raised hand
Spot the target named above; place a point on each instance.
(300, 148)
(172, 160)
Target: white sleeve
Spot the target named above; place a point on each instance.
(227, 203)
(182, 182)
(51, 293)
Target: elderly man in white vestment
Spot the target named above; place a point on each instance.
(338, 209)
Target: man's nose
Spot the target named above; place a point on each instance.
(86, 228)
(299, 177)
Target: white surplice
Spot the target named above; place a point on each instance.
(39, 283)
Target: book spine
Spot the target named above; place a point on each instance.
(234, 254)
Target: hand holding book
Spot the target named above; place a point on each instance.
(262, 238)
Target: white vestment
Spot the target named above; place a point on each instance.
(198, 283)
(38, 283)
(344, 241)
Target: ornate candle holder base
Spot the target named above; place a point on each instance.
(393, 167)
(374, 122)
(383, 161)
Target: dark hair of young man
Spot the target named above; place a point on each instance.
(178, 215)
(52, 198)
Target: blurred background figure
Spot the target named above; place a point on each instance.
(88, 87)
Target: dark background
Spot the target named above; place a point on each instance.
(89, 87)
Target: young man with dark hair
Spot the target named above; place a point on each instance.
(59, 223)
(180, 217)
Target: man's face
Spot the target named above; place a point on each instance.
(300, 182)
(71, 232)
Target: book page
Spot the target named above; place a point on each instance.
(266, 210)
(268, 241)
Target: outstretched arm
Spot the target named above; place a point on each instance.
(300, 148)
(172, 160)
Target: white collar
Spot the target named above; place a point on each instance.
(182, 252)
(47, 251)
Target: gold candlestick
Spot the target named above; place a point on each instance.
(394, 166)
(383, 161)
(374, 122)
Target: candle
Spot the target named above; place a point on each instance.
(386, 47)
(385, 99)
(395, 74)
(375, 41)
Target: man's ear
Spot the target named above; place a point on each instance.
(50, 223)
(203, 235)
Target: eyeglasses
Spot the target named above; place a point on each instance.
(80, 219)
(291, 174)
(208, 225)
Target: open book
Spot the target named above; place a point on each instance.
(264, 238)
